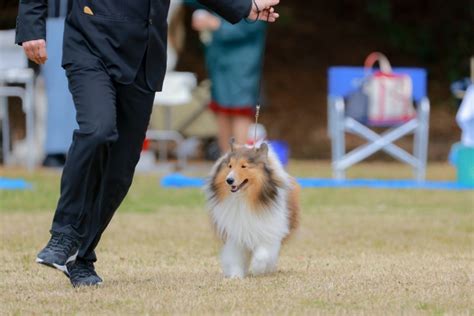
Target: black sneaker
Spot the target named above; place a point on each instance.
(82, 273)
(60, 250)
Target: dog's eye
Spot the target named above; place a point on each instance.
(230, 166)
(244, 166)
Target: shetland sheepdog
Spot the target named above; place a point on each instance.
(254, 208)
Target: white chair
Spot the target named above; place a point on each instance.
(342, 81)
(14, 71)
(177, 91)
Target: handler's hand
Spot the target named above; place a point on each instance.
(267, 12)
(36, 50)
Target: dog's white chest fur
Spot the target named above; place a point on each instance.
(236, 221)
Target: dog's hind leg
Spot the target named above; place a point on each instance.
(264, 259)
(235, 259)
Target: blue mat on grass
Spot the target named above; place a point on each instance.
(177, 180)
(14, 184)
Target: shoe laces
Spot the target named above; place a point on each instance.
(82, 269)
(61, 242)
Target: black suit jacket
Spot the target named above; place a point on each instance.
(120, 33)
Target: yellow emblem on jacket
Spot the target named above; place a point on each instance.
(88, 10)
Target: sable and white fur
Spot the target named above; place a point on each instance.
(254, 207)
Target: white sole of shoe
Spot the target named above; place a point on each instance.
(62, 268)
(88, 285)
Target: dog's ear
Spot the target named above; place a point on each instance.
(232, 144)
(263, 150)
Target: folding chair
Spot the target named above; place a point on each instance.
(342, 81)
(13, 71)
(177, 91)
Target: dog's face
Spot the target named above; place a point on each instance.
(245, 167)
(246, 171)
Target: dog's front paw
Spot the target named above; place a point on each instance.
(234, 273)
(262, 262)
(258, 267)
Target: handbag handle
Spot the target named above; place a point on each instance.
(374, 57)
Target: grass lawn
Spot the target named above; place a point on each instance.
(359, 251)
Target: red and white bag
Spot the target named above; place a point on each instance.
(390, 96)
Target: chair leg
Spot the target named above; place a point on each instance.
(29, 110)
(416, 148)
(421, 139)
(5, 130)
(163, 144)
(338, 142)
(30, 126)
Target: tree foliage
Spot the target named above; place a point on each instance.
(436, 31)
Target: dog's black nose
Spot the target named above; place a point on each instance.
(230, 180)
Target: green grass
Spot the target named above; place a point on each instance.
(143, 196)
(146, 194)
(359, 251)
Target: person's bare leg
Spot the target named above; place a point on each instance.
(240, 128)
(224, 131)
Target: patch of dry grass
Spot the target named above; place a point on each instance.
(358, 252)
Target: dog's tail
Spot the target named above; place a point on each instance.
(293, 205)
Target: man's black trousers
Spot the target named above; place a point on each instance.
(112, 119)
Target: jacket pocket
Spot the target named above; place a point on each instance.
(107, 9)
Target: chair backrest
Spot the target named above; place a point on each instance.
(11, 54)
(343, 80)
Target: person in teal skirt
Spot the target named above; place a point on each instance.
(233, 56)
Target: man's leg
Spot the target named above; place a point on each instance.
(94, 97)
(224, 131)
(134, 106)
(240, 128)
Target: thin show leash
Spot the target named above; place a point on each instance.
(257, 109)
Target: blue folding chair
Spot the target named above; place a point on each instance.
(342, 81)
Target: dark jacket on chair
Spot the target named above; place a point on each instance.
(119, 32)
